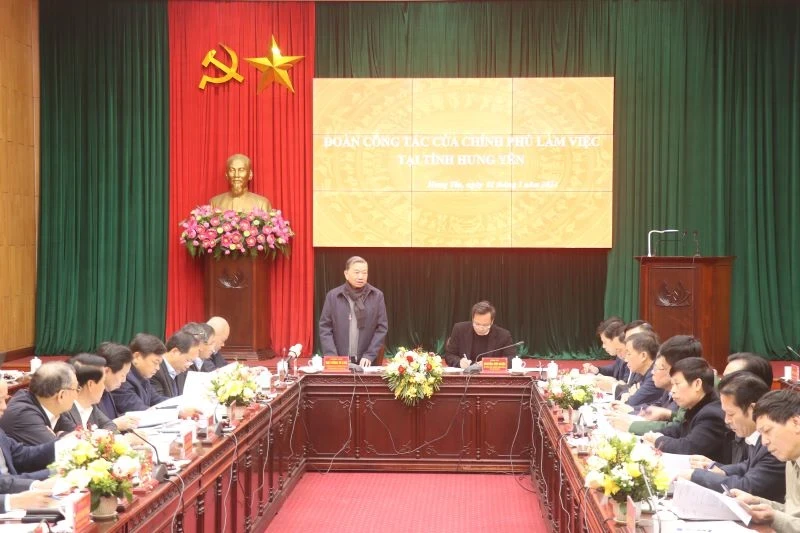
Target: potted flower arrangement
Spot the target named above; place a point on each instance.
(235, 387)
(622, 466)
(570, 392)
(413, 375)
(219, 233)
(103, 463)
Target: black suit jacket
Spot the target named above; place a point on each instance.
(702, 432)
(72, 419)
(163, 384)
(27, 461)
(460, 343)
(26, 421)
(217, 359)
(136, 394)
(761, 474)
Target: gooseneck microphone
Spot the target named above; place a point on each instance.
(477, 357)
(794, 353)
(475, 368)
(160, 471)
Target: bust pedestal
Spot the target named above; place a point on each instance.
(237, 289)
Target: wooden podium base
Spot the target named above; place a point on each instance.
(237, 290)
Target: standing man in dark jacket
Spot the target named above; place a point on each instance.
(353, 320)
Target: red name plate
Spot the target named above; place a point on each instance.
(335, 363)
(795, 373)
(630, 517)
(81, 503)
(495, 365)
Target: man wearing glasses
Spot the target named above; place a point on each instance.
(470, 340)
(32, 414)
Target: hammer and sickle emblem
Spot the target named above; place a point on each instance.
(230, 71)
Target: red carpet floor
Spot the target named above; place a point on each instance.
(382, 502)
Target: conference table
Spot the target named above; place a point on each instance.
(352, 422)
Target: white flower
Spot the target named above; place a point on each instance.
(596, 462)
(126, 466)
(594, 480)
(78, 478)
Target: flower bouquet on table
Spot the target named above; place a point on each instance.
(413, 374)
(235, 385)
(622, 466)
(220, 232)
(102, 462)
(570, 391)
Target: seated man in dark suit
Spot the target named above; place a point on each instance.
(761, 474)
(19, 460)
(702, 431)
(181, 351)
(205, 337)
(32, 414)
(118, 358)
(470, 340)
(89, 369)
(222, 331)
(608, 331)
(641, 350)
(136, 393)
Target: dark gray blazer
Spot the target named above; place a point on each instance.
(11, 484)
(334, 324)
(26, 421)
(761, 474)
(163, 384)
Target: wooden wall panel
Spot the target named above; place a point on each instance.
(19, 169)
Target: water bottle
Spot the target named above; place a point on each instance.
(35, 364)
(552, 370)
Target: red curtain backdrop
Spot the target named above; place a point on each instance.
(273, 128)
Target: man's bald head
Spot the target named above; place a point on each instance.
(221, 331)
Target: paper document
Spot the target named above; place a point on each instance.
(154, 417)
(197, 389)
(693, 502)
(675, 463)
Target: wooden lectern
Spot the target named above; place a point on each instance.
(237, 290)
(689, 296)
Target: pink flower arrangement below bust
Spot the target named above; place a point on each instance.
(226, 232)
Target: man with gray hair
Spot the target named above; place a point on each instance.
(204, 333)
(353, 320)
(32, 414)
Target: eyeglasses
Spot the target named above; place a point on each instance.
(76, 389)
(481, 326)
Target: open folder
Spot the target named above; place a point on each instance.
(693, 502)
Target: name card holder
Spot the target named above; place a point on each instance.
(495, 365)
(77, 509)
(795, 373)
(335, 363)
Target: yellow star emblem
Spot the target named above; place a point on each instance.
(274, 67)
